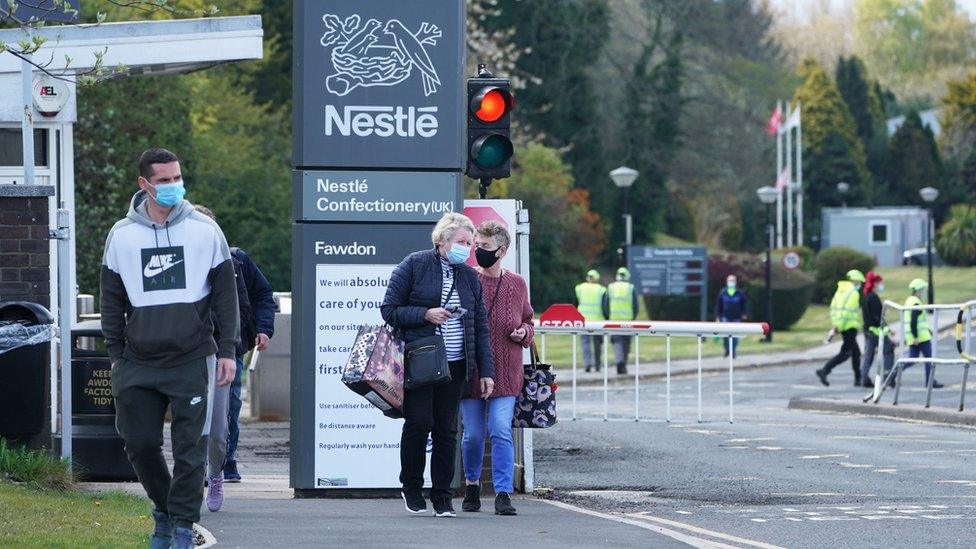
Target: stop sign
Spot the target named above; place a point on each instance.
(562, 314)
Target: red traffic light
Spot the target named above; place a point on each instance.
(490, 104)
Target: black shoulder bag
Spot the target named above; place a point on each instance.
(425, 359)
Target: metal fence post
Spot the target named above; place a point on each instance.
(699, 379)
(606, 388)
(731, 359)
(636, 377)
(574, 373)
(667, 346)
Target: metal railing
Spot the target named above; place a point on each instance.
(663, 329)
(963, 336)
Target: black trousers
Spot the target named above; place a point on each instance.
(431, 411)
(849, 349)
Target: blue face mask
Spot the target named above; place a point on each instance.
(458, 253)
(169, 194)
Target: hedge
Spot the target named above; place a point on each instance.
(791, 291)
(832, 265)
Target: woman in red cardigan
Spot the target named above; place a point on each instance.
(506, 299)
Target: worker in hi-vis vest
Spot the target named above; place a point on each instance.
(589, 302)
(620, 303)
(918, 333)
(845, 315)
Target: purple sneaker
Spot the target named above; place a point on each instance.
(215, 493)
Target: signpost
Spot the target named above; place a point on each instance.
(378, 135)
(674, 271)
(791, 260)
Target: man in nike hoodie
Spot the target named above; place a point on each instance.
(165, 266)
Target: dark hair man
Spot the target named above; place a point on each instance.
(165, 266)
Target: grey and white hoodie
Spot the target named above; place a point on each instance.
(158, 284)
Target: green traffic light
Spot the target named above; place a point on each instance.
(491, 151)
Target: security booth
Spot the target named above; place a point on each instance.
(39, 209)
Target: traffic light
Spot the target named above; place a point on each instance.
(490, 105)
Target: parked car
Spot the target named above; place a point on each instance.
(919, 256)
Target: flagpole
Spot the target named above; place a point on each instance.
(779, 170)
(789, 176)
(799, 174)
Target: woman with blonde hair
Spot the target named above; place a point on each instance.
(433, 292)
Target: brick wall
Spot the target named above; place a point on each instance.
(25, 273)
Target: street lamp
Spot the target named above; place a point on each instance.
(768, 197)
(929, 195)
(624, 177)
(842, 188)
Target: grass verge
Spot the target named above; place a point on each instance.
(37, 469)
(32, 517)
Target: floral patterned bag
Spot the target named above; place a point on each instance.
(535, 407)
(375, 369)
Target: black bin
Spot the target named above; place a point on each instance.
(23, 376)
(98, 452)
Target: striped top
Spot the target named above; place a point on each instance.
(453, 330)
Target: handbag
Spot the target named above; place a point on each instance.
(426, 358)
(535, 406)
(374, 369)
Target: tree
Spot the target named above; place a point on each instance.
(914, 46)
(567, 237)
(958, 140)
(913, 162)
(653, 104)
(819, 29)
(956, 239)
(557, 41)
(832, 151)
(866, 107)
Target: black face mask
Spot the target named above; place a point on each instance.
(486, 258)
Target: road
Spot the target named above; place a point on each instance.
(775, 477)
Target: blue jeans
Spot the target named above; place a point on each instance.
(923, 349)
(234, 412)
(735, 340)
(499, 422)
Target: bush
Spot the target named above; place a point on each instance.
(832, 265)
(806, 256)
(791, 291)
(36, 468)
(956, 239)
(791, 296)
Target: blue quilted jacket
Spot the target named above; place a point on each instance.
(415, 286)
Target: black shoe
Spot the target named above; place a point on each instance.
(857, 382)
(472, 498)
(443, 507)
(867, 383)
(621, 369)
(587, 368)
(414, 500)
(823, 377)
(503, 505)
(937, 385)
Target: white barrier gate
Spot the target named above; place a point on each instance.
(638, 329)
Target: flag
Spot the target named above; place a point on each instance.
(782, 180)
(774, 121)
(794, 119)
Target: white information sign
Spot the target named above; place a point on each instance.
(356, 446)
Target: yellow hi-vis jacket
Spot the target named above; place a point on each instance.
(589, 296)
(922, 326)
(621, 301)
(845, 307)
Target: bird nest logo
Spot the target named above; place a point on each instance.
(365, 55)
